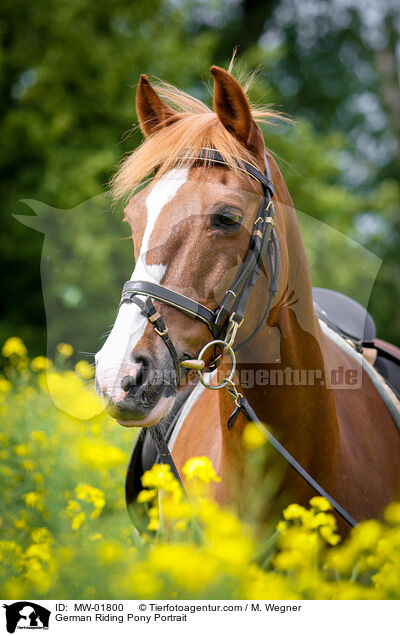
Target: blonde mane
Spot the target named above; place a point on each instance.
(197, 127)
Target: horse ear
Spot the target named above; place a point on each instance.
(233, 110)
(152, 113)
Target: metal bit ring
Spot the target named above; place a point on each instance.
(228, 379)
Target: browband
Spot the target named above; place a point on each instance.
(213, 156)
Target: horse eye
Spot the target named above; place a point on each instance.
(226, 219)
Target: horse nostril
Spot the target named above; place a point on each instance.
(139, 376)
(127, 382)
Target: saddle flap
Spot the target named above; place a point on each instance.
(344, 315)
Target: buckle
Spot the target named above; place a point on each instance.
(161, 333)
(232, 330)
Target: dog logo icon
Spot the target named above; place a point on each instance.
(26, 615)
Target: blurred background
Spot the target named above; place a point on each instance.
(67, 82)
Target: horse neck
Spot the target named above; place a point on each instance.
(282, 369)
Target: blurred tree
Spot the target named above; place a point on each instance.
(67, 68)
(336, 64)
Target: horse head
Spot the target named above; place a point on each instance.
(191, 224)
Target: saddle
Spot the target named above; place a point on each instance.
(355, 324)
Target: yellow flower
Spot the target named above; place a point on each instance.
(154, 512)
(299, 539)
(21, 450)
(40, 363)
(146, 495)
(140, 580)
(321, 504)
(84, 369)
(14, 346)
(365, 536)
(100, 455)
(39, 436)
(330, 537)
(174, 508)
(22, 364)
(392, 513)
(89, 493)
(154, 524)
(41, 535)
(270, 585)
(14, 588)
(299, 549)
(288, 561)
(200, 468)
(78, 520)
(342, 559)
(73, 507)
(111, 551)
(181, 526)
(294, 512)
(253, 436)
(234, 553)
(70, 395)
(322, 519)
(9, 548)
(160, 477)
(347, 591)
(65, 349)
(39, 550)
(184, 564)
(282, 526)
(34, 500)
(388, 579)
(5, 385)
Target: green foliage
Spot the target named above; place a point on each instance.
(67, 101)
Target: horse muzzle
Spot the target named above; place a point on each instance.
(137, 394)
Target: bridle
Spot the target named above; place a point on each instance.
(225, 321)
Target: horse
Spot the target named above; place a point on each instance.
(193, 204)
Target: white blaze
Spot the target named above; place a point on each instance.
(130, 325)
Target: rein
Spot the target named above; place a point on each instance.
(225, 321)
